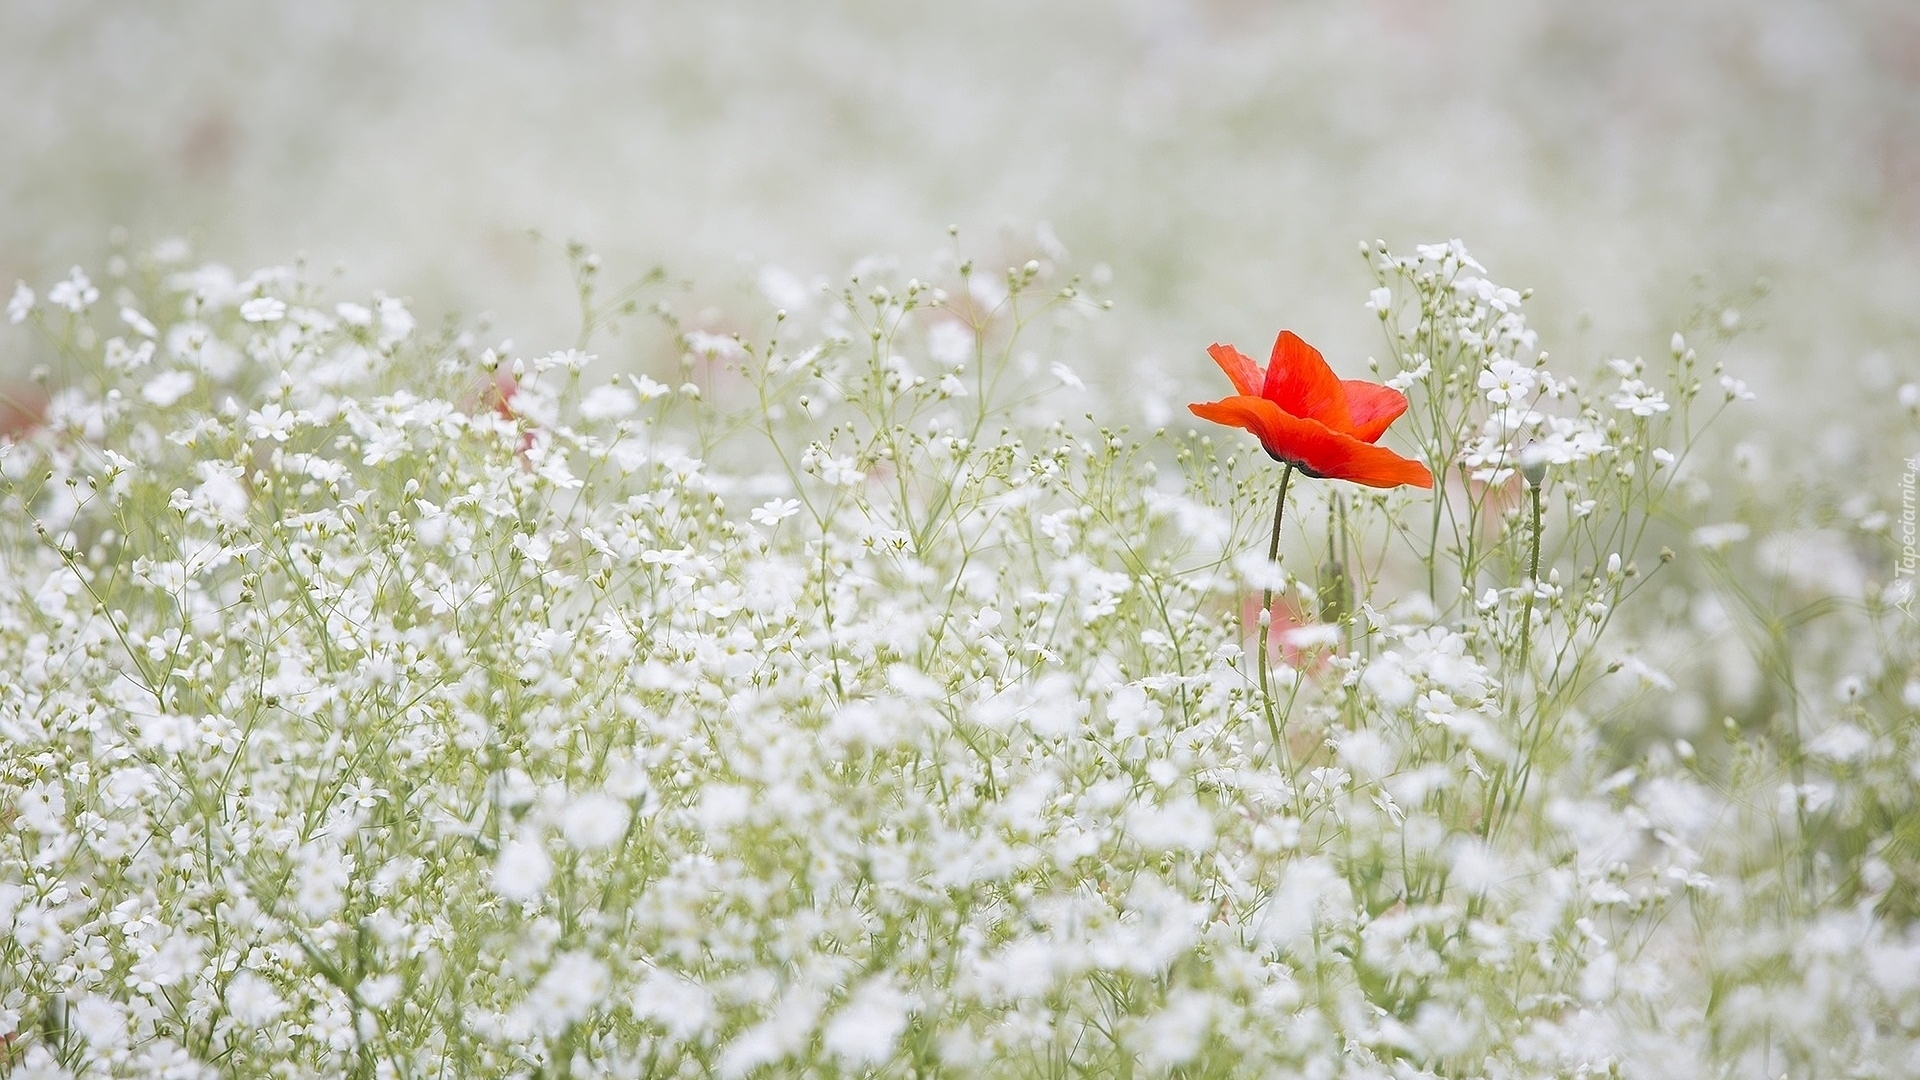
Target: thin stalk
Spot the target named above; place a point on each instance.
(1533, 582)
(1266, 614)
(1514, 790)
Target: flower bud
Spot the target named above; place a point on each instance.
(1533, 464)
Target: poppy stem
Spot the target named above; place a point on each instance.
(1266, 614)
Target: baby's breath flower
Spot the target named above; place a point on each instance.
(775, 511)
(262, 309)
(1638, 398)
(20, 304)
(77, 293)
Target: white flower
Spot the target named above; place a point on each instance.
(39, 1064)
(1380, 301)
(950, 342)
(594, 820)
(839, 471)
(648, 389)
(1176, 1034)
(75, 294)
(396, 322)
(783, 289)
(567, 992)
(253, 1001)
(1841, 742)
(776, 511)
(22, 303)
(139, 323)
(538, 549)
(608, 403)
(354, 314)
(101, 1021)
(678, 1004)
(167, 387)
(1716, 537)
(866, 1030)
(713, 346)
(1066, 376)
(263, 309)
(270, 421)
(1412, 375)
(1180, 825)
(1506, 382)
(363, 794)
(523, 869)
(1638, 398)
(172, 250)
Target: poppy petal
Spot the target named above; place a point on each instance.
(1313, 446)
(1300, 382)
(1246, 374)
(1373, 407)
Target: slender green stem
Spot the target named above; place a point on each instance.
(1533, 582)
(1266, 615)
(1514, 788)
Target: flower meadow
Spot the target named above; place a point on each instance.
(841, 691)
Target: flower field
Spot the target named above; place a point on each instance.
(834, 700)
(1140, 635)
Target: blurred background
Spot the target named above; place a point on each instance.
(1634, 161)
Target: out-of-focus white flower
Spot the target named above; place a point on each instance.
(167, 387)
(1841, 742)
(263, 309)
(523, 869)
(567, 992)
(21, 304)
(140, 324)
(101, 1021)
(783, 289)
(76, 293)
(1718, 537)
(867, 1028)
(682, 1007)
(396, 322)
(253, 1001)
(718, 347)
(609, 403)
(594, 821)
(950, 342)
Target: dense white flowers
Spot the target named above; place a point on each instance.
(402, 706)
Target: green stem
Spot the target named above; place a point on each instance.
(1523, 769)
(1266, 615)
(1533, 582)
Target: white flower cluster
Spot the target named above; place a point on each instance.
(382, 706)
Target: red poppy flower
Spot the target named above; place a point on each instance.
(1307, 416)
